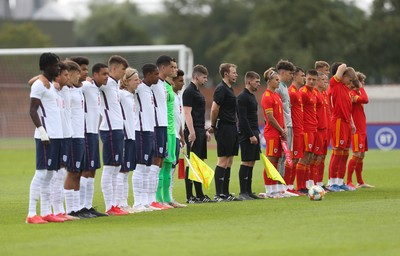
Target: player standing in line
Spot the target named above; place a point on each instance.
(359, 138)
(322, 66)
(296, 102)
(75, 163)
(304, 179)
(111, 132)
(161, 123)
(144, 138)
(128, 84)
(169, 68)
(342, 124)
(178, 83)
(45, 114)
(195, 133)
(321, 138)
(91, 162)
(249, 134)
(285, 70)
(274, 129)
(223, 122)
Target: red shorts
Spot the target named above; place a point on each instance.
(298, 146)
(274, 147)
(359, 142)
(309, 141)
(341, 134)
(321, 142)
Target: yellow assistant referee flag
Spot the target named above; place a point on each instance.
(199, 171)
(271, 171)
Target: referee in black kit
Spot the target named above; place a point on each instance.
(223, 123)
(249, 134)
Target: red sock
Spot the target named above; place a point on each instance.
(288, 174)
(294, 174)
(351, 167)
(321, 169)
(334, 164)
(300, 172)
(343, 164)
(359, 169)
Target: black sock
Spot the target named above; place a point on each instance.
(227, 179)
(219, 180)
(188, 184)
(249, 179)
(243, 176)
(199, 189)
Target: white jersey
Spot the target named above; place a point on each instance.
(110, 107)
(160, 102)
(77, 113)
(92, 106)
(284, 92)
(178, 114)
(65, 94)
(128, 112)
(145, 110)
(49, 109)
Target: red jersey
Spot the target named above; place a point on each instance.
(296, 104)
(310, 108)
(340, 100)
(358, 113)
(327, 109)
(321, 110)
(271, 102)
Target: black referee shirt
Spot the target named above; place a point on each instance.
(192, 97)
(226, 99)
(247, 110)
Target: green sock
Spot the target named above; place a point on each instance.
(159, 194)
(167, 167)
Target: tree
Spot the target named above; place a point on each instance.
(112, 24)
(23, 35)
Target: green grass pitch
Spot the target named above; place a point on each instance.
(363, 222)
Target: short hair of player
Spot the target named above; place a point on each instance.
(335, 66)
(117, 60)
(251, 75)
(312, 72)
(97, 67)
(148, 68)
(224, 68)
(180, 73)
(199, 70)
(361, 77)
(321, 64)
(48, 59)
(63, 66)
(269, 73)
(298, 69)
(285, 65)
(72, 65)
(129, 72)
(164, 60)
(81, 60)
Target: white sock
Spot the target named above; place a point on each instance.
(154, 173)
(61, 180)
(77, 205)
(340, 182)
(82, 189)
(320, 184)
(119, 189)
(89, 193)
(114, 183)
(269, 189)
(125, 194)
(106, 186)
(45, 206)
(57, 191)
(146, 198)
(171, 184)
(69, 200)
(291, 187)
(34, 191)
(137, 185)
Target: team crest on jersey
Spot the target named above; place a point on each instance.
(78, 165)
(295, 153)
(275, 150)
(116, 157)
(146, 157)
(360, 145)
(341, 142)
(310, 145)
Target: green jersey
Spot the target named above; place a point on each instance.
(170, 108)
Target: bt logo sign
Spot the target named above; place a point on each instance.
(385, 138)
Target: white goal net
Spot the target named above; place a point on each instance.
(17, 66)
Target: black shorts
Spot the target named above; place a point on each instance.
(160, 141)
(227, 140)
(129, 160)
(200, 144)
(48, 156)
(249, 152)
(92, 152)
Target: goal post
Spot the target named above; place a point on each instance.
(17, 66)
